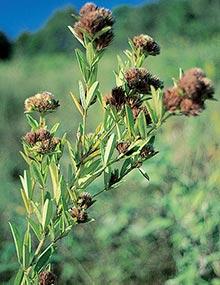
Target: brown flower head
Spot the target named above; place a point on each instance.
(87, 8)
(155, 82)
(136, 107)
(79, 215)
(190, 108)
(146, 44)
(147, 151)
(47, 278)
(117, 98)
(85, 200)
(140, 80)
(41, 102)
(122, 147)
(172, 99)
(41, 141)
(92, 21)
(196, 85)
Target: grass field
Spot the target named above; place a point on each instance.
(145, 233)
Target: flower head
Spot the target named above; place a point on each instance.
(140, 80)
(117, 98)
(41, 102)
(196, 85)
(122, 147)
(189, 96)
(47, 278)
(41, 141)
(190, 108)
(94, 20)
(79, 215)
(172, 99)
(85, 200)
(146, 44)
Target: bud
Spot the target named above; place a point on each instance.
(85, 200)
(92, 21)
(47, 278)
(146, 45)
(79, 215)
(140, 80)
(41, 102)
(172, 99)
(117, 98)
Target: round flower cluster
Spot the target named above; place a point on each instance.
(41, 102)
(146, 45)
(47, 278)
(116, 98)
(189, 96)
(41, 141)
(79, 213)
(92, 22)
(140, 80)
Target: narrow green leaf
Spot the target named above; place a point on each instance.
(90, 53)
(91, 93)
(77, 104)
(47, 213)
(75, 35)
(125, 167)
(19, 277)
(32, 122)
(55, 181)
(110, 146)
(129, 121)
(103, 31)
(144, 173)
(36, 228)
(17, 241)
(25, 200)
(142, 125)
(82, 94)
(37, 173)
(43, 259)
(82, 63)
(54, 128)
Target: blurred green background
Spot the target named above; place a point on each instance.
(165, 231)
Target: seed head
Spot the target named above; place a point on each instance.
(196, 85)
(93, 20)
(85, 200)
(172, 99)
(41, 102)
(146, 44)
(47, 278)
(117, 98)
(79, 215)
(140, 80)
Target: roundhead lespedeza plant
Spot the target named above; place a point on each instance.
(132, 113)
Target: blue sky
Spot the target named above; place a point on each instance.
(29, 15)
